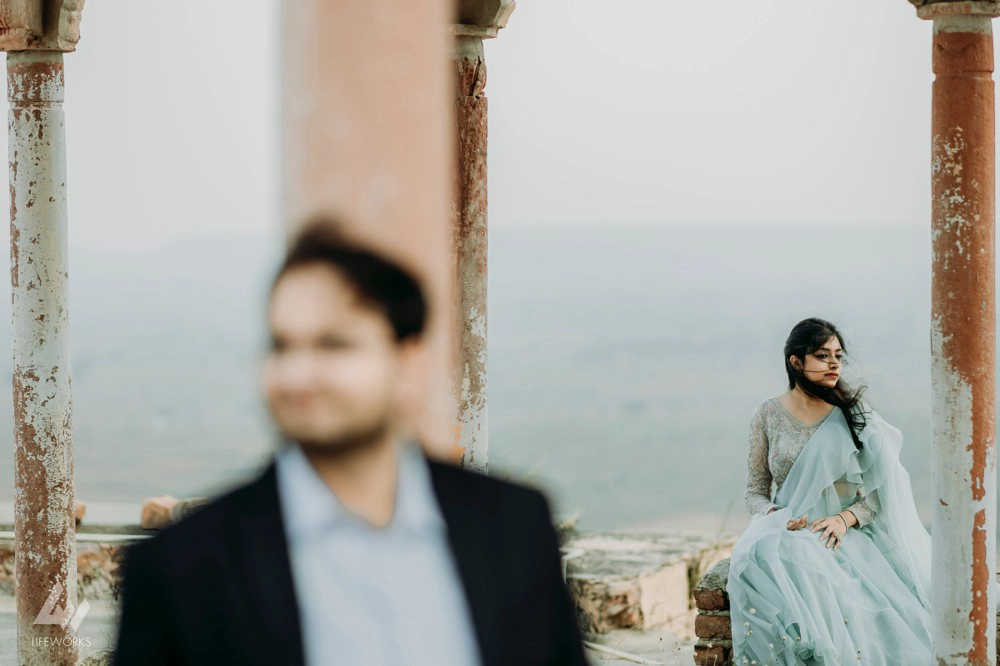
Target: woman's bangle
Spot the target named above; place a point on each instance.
(841, 515)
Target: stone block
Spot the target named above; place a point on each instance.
(483, 17)
(639, 580)
(40, 25)
(712, 653)
(713, 626)
(710, 592)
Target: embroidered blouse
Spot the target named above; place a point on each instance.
(776, 439)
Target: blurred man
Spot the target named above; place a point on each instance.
(351, 547)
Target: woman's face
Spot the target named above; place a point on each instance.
(823, 365)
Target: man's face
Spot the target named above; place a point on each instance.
(332, 376)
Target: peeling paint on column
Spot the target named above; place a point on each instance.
(963, 338)
(470, 251)
(44, 531)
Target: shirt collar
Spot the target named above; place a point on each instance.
(309, 508)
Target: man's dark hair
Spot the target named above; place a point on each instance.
(377, 280)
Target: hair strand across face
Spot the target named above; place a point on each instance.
(806, 337)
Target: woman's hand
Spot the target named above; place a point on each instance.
(833, 529)
(797, 523)
(794, 523)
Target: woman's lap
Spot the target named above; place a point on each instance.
(788, 589)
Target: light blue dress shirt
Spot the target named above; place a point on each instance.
(367, 595)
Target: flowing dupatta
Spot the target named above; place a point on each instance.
(794, 601)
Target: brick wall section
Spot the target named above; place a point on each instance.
(712, 625)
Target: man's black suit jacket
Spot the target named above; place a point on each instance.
(216, 587)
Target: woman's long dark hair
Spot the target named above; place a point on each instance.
(807, 336)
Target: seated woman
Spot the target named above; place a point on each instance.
(835, 566)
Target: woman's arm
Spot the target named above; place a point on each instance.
(758, 492)
(864, 509)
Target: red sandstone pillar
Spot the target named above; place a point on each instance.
(367, 138)
(963, 333)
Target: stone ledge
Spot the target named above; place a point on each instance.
(638, 580)
(99, 557)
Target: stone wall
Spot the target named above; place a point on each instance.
(99, 558)
(638, 580)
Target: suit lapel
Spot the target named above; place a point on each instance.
(260, 558)
(260, 553)
(473, 555)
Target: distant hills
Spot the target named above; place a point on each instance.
(624, 362)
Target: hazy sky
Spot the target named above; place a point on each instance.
(686, 112)
(631, 111)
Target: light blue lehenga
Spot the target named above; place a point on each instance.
(794, 601)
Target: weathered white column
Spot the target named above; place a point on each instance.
(963, 332)
(479, 19)
(35, 33)
(45, 539)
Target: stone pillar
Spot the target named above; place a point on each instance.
(479, 19)
(44, 521)
(368, 138)
(470, 247)
(35, 33)
(963, 332)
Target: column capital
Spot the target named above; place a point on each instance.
(468, 48)
(40, 25)
(932, 9)
(482, 18)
